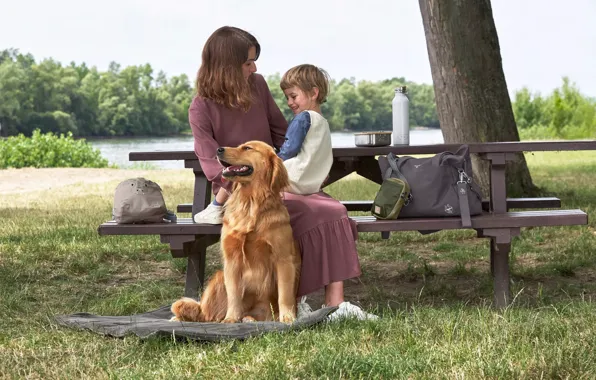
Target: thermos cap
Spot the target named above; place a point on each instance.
(401, 89)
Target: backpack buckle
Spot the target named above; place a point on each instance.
(463, 177)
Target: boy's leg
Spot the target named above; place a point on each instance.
(213, 214)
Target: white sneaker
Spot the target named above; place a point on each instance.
(348, 310)
(303, 308)
(211, 215)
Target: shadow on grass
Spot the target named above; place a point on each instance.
(548, 265)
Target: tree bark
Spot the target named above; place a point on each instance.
(473, 104)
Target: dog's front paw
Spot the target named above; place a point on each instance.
(287, 318)
(248, 318)
(231, 320)
(174, 319)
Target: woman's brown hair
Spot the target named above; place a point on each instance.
(220, 75)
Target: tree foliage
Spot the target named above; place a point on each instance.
(366, 105)
(134, 101)
(129, 101)
(565, 113)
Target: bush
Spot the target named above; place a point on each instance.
(49, 151)
(565, 114)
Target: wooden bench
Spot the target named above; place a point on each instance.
(512, 203)
(186, 238)
(365, 206)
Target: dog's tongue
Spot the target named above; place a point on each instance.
(237, 168)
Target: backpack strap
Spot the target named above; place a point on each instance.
(392, 160)
(464, 201)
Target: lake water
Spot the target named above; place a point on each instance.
(116, 150)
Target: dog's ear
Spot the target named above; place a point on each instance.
(279, 175)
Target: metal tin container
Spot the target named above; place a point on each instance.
(372, 138)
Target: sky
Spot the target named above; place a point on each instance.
(541, 40)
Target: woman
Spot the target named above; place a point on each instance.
(234, 105)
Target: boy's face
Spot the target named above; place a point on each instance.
(299, 100)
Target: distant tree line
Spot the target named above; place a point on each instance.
(129, 101)
(134, 101)
(565, 113)
(366, 105)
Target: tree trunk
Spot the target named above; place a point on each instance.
(473, 104)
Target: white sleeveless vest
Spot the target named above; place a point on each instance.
(310, 167)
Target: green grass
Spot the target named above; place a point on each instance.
(434, 294)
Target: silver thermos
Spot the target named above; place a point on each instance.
(401, 117)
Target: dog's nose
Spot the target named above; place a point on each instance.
(220, 151)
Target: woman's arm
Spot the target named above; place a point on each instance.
(205, 145)
(297, 131)
(277, 121)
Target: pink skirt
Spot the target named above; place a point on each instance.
(327, 239)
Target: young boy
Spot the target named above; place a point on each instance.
(307, 151)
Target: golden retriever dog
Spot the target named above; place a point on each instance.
(261, 259)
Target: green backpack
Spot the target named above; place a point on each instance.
(391, 197)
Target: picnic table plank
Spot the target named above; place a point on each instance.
(512, 219)
(365, 206)
(487, 147)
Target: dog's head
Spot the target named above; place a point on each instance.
(254, 162)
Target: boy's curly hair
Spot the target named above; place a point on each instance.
(306, 77)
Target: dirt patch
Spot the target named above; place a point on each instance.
(442, 282)
(132, 272)
(14, 181)
(32, 179)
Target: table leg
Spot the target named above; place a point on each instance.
(195, 274)
(493, 248)
(502, 295)
(197, 250)
(500, 248)
(498, 184)
(339, 169)
(202, 192)
(195, 268)
(368, 167)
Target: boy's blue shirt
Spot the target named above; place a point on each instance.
(295, 136)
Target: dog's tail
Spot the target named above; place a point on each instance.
(187, 309)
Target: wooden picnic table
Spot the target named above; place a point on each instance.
(362, 160)
(498, 224)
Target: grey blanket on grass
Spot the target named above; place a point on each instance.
(157, 323)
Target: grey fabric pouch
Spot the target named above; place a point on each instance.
(138, 200)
